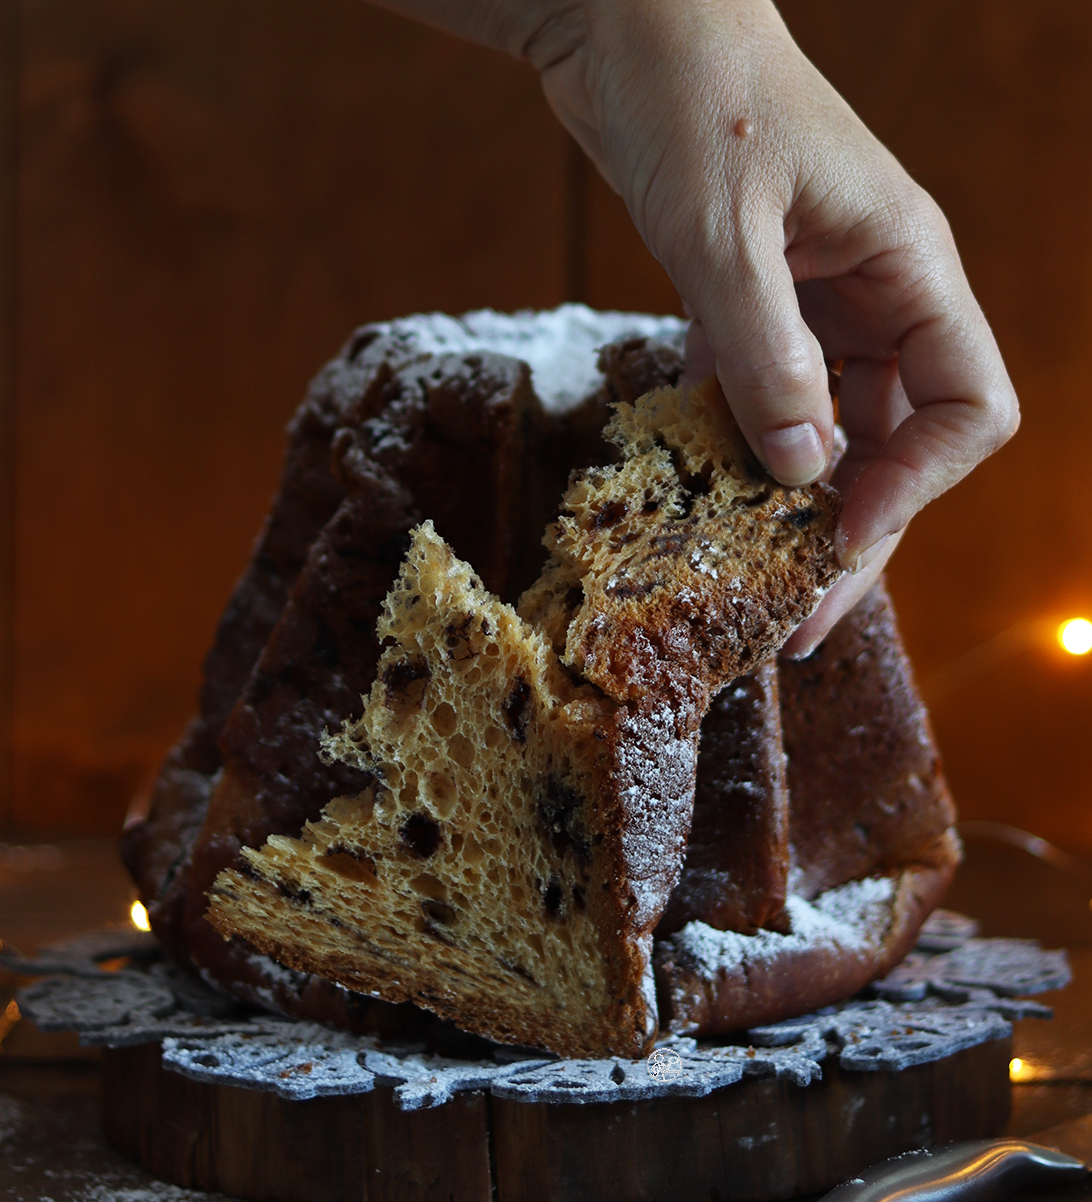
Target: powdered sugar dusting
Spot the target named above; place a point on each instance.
(925, 1015)
(560, 345)
(654, 775)
(854, 917)
(11, 1118)
(648, 986)
(859, 910)
(156, 1191)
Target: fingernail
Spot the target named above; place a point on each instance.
(794, 454)
(802, 652)
(863, 558)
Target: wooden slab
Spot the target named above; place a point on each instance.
(758, 1140)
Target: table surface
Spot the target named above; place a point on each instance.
(51, 1149)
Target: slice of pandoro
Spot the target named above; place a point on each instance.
(685, 563)
(451, 436)
(525, 827)
(870, 842)
(496, 871)
(867, 792)
(737, 857)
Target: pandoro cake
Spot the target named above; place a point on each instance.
(569, 805)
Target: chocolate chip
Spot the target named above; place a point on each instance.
(559, 810)
(302, 897)
(674, 542)
(406, 680)
(623, 590)
(437, 911)
(421, 834)
(516, 707)
(610, 514)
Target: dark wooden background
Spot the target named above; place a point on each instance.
(200, 198)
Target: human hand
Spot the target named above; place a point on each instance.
(793, 236)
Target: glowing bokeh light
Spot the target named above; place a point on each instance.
(1076, 636)
(8, 1019)
(140, 917)
(1016, 1068)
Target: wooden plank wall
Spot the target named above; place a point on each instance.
(9, 43)
(211, 194)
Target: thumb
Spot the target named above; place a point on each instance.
(768, 362)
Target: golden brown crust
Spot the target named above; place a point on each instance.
(713, 984)
(636, 630)
(737, 857)
(621, 764)
(865, 783)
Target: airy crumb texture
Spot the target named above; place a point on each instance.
(686, 563)
(504, 869)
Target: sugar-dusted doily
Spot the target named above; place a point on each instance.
(953, 992)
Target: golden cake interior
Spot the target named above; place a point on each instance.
(442, 881)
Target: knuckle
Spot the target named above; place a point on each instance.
(789, 372)
(922, 219)
(1005, 413)
(915, 225)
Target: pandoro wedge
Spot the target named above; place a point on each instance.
(686, 565)
(532, 772)
(871, 842)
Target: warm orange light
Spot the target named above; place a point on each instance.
(8, 1019)
(1076, 636)
(140, 917)
(1020, 1070)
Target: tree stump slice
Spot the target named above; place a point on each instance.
(757, 1141)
